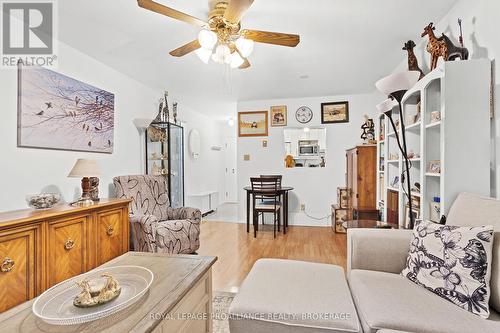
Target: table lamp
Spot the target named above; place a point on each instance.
(84, 169)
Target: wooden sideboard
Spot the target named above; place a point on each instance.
(179, 300)
(40, 248)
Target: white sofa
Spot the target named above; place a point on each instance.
(384, 301)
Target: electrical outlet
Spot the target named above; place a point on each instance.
(302, 207)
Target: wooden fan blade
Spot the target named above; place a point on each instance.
(236, 9)
(185, 49)
(245, 65)
(167, 11)
(276, 38)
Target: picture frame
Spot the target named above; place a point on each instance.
(278, 116)
(253, 123)
(335, 112)
(434, 166)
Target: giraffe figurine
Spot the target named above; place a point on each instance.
(412, 59)
(436, 47)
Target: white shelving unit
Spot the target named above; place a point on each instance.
(460, 91)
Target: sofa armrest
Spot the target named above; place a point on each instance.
(143, 232)
(185, 213)
(377, 249)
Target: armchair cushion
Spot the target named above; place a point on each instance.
(377, 249)
(178, 236)
(184, 213)
(143, 231)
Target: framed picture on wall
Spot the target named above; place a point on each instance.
(278, 115)
(335, 112)
(254, 123)
(59, 112)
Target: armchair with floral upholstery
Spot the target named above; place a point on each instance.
(154, 225)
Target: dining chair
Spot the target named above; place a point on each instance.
(270, 202)
(265, 189)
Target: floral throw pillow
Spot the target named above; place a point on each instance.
(453, 262)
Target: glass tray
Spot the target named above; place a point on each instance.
(55, 305)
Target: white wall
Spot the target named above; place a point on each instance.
(27, 170)
(481, 26)
(314, 187)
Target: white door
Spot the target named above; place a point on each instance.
(230, 194)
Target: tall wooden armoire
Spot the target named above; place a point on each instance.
(361, 176)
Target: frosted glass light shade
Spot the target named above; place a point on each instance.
(222, 54)
(397, 82)
(386, 105)
(204, 54)
(245, 46)
(236, 60)
(207, 39)
(85, 168)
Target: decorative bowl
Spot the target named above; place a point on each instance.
(43, 201)
(55, 305)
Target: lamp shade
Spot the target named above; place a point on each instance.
(204, 54)
(386, 105)
(245, 46)
(401, 81)
(207, 39)
(85, 168)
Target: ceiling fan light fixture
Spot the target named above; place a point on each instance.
(245, 46)
(207, 39)
(204, 54)
(222, 54)
(236, 60)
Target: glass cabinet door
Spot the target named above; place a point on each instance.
(176, 166)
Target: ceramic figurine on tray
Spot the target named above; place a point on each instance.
(92, 297)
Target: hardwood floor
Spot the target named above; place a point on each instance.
(237, 251)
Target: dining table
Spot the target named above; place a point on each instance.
(283, 192)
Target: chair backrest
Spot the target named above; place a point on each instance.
(474, 210)
(149, 194)
(278, 177)
(264, 188)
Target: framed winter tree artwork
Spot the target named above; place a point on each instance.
(59, 112)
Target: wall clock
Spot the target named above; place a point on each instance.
(303, 114)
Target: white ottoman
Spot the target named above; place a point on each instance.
(293, 296)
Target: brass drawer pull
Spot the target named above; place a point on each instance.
(110, 230)
(7, 265)
(69, 244)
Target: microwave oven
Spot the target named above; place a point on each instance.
(309, 150)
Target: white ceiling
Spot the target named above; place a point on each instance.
(346, 45)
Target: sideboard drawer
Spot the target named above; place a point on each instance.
(19, 265)
(67, 248)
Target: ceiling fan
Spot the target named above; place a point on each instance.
(221, 38)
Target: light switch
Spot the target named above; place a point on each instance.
(246, 157)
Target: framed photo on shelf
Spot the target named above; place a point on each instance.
(335, 112)
(434, 166)
(278, 115)
(254, 123)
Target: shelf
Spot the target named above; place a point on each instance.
(393, 189)
(432, 125)
(393, 161)
(381, 171)
(391, 134)
(381, 142)
(413, 126)
(431, 174)
(416, 194)
(415, 159)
